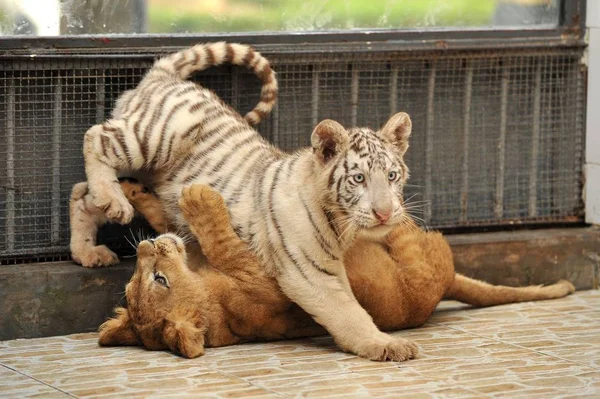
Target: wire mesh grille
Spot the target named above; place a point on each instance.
(497, 137)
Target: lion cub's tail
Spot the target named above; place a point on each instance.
(478, 293)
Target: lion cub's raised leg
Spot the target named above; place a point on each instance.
(206, 213)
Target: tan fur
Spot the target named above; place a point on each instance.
(479, 293)
(349, 183)
(399, 283)
(232, 302)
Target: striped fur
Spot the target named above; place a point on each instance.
(299, 212)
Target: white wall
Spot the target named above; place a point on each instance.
(592, 146)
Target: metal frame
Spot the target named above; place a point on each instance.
(592, 156)
(569, 32)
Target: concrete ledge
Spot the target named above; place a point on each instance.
(58, 298)
(530, 257)
(61, 298)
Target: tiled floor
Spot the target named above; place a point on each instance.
(532, 350)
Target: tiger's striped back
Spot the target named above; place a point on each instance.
(157, 125)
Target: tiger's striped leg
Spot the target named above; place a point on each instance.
(85, 219)
(325, 297)
(105, 152)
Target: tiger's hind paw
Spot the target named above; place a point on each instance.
(98, 256)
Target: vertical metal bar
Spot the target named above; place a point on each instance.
(535, 141)
(429, 133)
(394, 90)
(56, 131)
(315, 96)
(275, 126)
(10, 166)
(464, 189)
(235, 89)
(499, 206)
(573, 15)
(579, 75)
(100, 97)
(354, 86)
(589, 121)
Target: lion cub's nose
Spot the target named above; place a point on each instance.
(171, 240)
(145, 247)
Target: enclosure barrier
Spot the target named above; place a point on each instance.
(498, 136)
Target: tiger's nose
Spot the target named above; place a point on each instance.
(382, 215)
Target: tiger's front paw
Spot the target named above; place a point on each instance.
(388, 348)
(200, 200)
(98, 256)
(110, 198)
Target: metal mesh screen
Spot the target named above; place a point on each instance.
(497, 137)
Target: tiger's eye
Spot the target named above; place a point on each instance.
(359, 178)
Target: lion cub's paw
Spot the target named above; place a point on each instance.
(389, 348)
(135, 192)
(200, 199)
(109, 197)
(97, 256)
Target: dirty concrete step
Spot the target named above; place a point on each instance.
(59, 298)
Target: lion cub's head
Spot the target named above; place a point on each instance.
(165, 302)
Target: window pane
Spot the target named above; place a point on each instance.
(55, 17)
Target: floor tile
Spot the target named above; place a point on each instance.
(529, 350)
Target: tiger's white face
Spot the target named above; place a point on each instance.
(367, 172)
(370, 180)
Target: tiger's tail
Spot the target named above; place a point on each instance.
(185, 63)
(478, 293)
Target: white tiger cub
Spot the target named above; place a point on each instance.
(299, 212)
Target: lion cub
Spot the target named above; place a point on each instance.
(232, 300)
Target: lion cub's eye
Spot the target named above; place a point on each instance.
(160, 279)
(392, 176)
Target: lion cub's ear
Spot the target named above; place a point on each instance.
(184, 338)
(118, 331)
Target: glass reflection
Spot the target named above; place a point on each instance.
(72, 17)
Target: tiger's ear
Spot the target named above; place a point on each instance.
(118, 331)
(397, 131)
(328, 139)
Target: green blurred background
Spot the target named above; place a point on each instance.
(187, 16)
(72, 17)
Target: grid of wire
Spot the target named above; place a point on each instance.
(497, 136)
